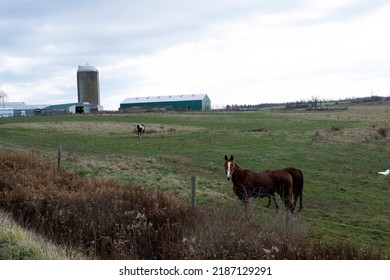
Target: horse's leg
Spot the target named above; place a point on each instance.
(274, 199)
(296, 197)
(245, 202)
(246, 208)
(286, 198)
(300, 203)
(269, 202)
(287, 203)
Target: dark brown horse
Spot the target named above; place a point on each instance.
(297, 177)
(247, 184)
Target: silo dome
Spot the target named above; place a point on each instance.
(88, 84)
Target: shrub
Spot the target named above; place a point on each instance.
(101, 217)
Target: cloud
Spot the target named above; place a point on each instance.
(265, 58)
(235, 51)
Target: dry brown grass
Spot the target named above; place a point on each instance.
(379, 113)
(337, 135)
(106, 220)
(102, 127)
(100, 217)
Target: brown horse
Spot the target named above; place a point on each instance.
(297, 177)
(247, 184)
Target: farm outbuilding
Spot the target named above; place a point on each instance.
(182, 102)
(72, 108)
(19, 109)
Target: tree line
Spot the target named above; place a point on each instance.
(310, 104)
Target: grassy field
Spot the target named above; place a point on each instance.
(339, 152)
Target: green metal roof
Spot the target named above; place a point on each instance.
(167, 98)
(60, 106)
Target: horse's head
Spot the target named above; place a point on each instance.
(229, 166)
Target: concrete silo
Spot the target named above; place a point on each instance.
(88, 84)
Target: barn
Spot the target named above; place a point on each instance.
(181, 102)
(71, 108)
(18, 109)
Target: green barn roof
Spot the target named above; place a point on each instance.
(193, 101)
(167, 98)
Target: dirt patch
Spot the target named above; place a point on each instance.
(259, 130)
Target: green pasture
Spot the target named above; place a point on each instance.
(339, 152)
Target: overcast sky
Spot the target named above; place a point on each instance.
(236, 51)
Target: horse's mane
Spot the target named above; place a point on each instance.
(243, 170)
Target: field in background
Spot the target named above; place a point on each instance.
(340, 153)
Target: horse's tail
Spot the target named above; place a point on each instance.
(300, 190)
(300, 185)
(298, 181)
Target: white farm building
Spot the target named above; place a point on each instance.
(182, 102)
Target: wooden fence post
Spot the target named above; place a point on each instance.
(59, 153)
(193, 191)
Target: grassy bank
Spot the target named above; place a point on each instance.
(17, 243)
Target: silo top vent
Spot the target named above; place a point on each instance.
(87, 68)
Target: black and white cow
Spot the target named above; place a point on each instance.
(140, 129)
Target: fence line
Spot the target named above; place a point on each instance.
(53, 156)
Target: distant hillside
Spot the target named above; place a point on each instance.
(315, 102)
